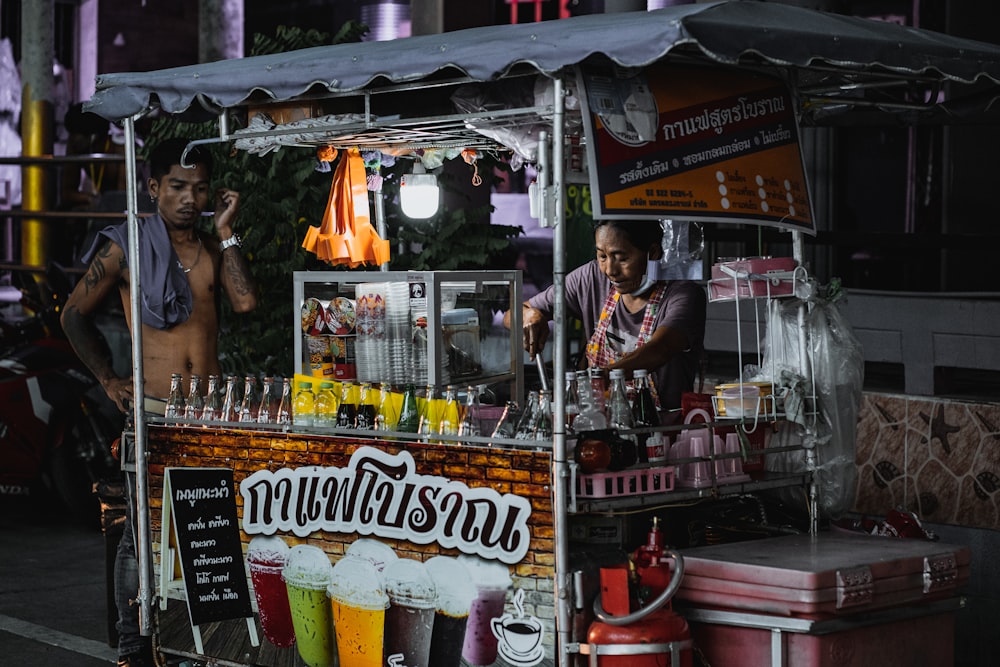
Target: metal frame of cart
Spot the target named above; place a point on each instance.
(832, 62)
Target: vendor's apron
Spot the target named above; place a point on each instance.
(600, 354)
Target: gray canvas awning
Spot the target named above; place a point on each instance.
(837, 61)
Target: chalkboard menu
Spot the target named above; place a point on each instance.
(203, 513)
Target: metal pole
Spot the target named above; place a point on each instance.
(142, 546)
(38, 54)
(560, 470)
(380, 226)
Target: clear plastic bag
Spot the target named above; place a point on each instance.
(822, 394)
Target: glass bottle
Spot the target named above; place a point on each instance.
(571, 399)
(283, 415)
(450, 420)
(543, 418)
(229, 400)
(596, 376)
(620, 414)
(365, 416)
(409, 411)
(249, 404)
(175, 399)
(304, 407)
(472, 418)
(213, 400)
(645, 415)
(429, 420)
(195, 403)
(325, 406)
(507, 425)
(347, 411)
(386, 418)
(265, 411)
(526, 424)
(591, 418)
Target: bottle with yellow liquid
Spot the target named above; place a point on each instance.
(326, 406)
(386, 417)
(450, 419)
(304, 407)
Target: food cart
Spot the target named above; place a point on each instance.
(477, 504)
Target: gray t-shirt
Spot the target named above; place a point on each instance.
(683, 308)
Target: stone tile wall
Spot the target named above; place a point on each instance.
(938, 458)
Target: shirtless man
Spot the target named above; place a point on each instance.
(171, 343)
(182, 272)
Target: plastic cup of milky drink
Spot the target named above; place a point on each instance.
(358, 601)
(409, 620)
(491, 579)
(267, 556)
(451, 615)
(307, 576)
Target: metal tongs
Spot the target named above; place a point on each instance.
(541, 372)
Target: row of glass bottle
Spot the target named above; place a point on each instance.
(621, 407)
(365, 406)
(270, 404)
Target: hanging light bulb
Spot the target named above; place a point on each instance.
(418, 193)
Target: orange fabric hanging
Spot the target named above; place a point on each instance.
(346, 235)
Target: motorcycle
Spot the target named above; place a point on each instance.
(56, 424)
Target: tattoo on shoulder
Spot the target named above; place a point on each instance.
(95, 273)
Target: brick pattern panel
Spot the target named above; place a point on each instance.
(523, 473)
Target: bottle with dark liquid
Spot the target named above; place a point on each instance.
(347, 412)
(367, 410)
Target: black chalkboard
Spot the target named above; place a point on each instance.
(203, 513)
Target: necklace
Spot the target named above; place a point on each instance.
(197, 258)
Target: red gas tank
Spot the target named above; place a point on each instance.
(652, 635)
(659, 639)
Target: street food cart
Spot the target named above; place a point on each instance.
(498, 512)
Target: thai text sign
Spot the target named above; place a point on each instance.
(203, 510)
(689, 142)
(380, 494)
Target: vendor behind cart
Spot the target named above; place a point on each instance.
(182, 272)
(633, 320)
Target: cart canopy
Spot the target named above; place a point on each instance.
(838, 65)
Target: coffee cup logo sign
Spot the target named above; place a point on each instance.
(519, 637)
(381, 494)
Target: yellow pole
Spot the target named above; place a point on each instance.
(36, 138)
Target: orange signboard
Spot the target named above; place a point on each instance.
(691, 142)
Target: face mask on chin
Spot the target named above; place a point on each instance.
(649, 278)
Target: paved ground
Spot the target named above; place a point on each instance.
(52, 591)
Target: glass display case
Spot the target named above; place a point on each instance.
(425, 327)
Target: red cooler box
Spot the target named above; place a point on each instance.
(836, 599)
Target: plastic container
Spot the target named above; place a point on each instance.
(741, 400)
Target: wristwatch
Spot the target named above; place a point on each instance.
(233, 240)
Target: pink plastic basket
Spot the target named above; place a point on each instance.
(625, 482)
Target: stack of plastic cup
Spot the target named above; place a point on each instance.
(455, 591)
(307, 576)
(409, 620)
(358, 601)
(267, 557)
(398, 333)
(371, 347)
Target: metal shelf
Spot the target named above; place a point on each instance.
(760, 482)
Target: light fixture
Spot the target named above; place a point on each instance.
(418, 193)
